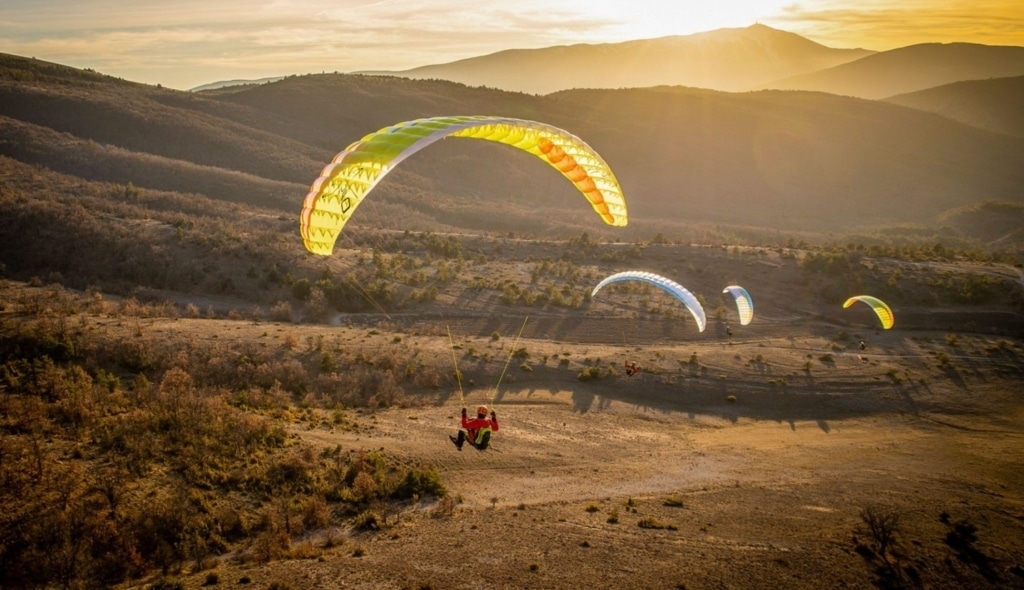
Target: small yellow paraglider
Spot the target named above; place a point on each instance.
(882, 310)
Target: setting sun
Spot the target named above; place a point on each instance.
(501, 294)
(187, 43)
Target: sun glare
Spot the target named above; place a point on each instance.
(647, 19)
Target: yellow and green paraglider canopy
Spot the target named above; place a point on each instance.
(882, 310)
(354, 172)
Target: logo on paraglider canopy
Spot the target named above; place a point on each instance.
(345, 201)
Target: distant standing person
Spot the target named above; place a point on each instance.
(476, 431)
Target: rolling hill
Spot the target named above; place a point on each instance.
(191, 399)
(996, 104)
(724, 59)
(909, 69)
(772, 160)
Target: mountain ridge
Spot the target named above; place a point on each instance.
(909, 69)
(778, 160)
(732, 59)
(993, 104)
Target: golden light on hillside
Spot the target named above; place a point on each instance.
(644, 20)
(883, 24)
(183, 48)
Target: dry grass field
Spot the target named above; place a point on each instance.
(759, 462)
(189, 399)
(657, 481)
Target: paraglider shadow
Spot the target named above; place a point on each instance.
(907, 390)
(583, 401)
(696, 397)
(953, 374)
(763, 391)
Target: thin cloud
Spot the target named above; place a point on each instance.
(886, 25)
(190, 42)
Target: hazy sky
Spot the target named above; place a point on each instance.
(186, 43)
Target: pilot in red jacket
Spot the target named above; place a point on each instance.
(476, 431)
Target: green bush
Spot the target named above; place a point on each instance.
(420, 483)
(652, 523)
(589, 373)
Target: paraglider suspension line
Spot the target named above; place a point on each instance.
(458, 374)
(511, 353)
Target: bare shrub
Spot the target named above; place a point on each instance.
(364, 486)
(291, 342)
(427, 377)
(270, 545)
(445, 507)
(653, 523)
(281, 312)
(882, 524)
(317, 307)
(316, 514)
(131, 307)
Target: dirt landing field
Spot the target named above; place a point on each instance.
(660, 481)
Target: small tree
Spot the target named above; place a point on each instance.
(882, 524)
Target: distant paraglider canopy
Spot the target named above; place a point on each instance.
(744, 304)
(354, 172)
(669, 286)
(882, 310)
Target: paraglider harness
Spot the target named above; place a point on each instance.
(480, 437)
(631, 368)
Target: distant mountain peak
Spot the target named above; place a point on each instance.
(731, 59)
(911, 68)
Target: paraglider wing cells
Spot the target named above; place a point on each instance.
(354, 172)
(882, 310)
(744, 304)
(669, 286)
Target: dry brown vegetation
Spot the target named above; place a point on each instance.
(191, 427)
(188, 399)
(140, 443)
(126, 453)
(693, 162)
